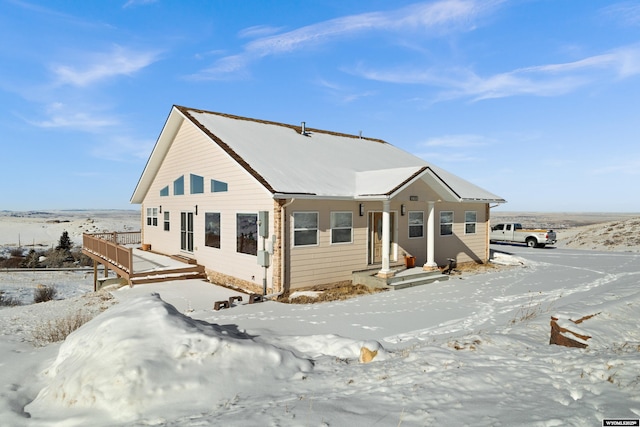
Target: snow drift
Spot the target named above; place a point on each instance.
(143, 358)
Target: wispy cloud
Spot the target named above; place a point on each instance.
(458, 141)
(430, 17)
(123, 149)
(453, 148)
(627, 166)
(258, 31)
(61, 116)
(100, 66)
(343, 94)
(542, 80)
(132, 3)
(627, 13)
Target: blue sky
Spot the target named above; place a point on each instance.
(535, 100)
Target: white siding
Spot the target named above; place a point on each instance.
(194, 153)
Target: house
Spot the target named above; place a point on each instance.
(273, 207)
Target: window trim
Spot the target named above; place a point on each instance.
(152, 217)
(317, 229)
(475, 223)
(255, 214)
(196, 184)
(206, 214)
(350, 228)
(409, 225)
(178, 186)
(219, 186)
(167, 221)
(447, 223)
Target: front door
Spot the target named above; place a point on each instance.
(186, 231)
(375, 236)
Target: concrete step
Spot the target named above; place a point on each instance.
(417, 280)
(412, 274)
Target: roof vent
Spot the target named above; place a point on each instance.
(303, 128)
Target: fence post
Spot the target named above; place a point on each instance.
(130, 262)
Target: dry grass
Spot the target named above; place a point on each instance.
(338, 292)
(44, 293)
(58, 329)
(469, 268)
(8, 301)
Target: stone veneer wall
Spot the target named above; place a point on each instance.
(276, 258)
(230, 281)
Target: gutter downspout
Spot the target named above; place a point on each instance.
(283, 241)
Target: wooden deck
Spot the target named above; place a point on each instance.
(120, 252)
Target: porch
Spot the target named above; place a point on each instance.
(120, 252)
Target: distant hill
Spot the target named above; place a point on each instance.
(622, 235)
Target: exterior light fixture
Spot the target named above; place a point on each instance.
(361, 209)
(196, 212)
(403, 210)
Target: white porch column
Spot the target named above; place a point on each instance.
(430, 264)
(386, 240)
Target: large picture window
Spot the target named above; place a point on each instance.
(446, 223)
(341, 227)
(470, 220)
(212, 229)
(247, 233)
(416, 224)
(305, 228)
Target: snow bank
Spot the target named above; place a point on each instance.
(142, 359)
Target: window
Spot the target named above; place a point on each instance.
(186, 231)
(470, 219)
(446, 223)
(416, 224)
(341, 227)
(178, 186)
(166, 221)
(196, 184)
(247, 233)
(212, 229)
(305, 228)
(218, 186)
(152, 216)
(164, 192)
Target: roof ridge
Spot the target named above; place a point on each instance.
(296, 128)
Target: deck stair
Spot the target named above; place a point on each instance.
(191, 272)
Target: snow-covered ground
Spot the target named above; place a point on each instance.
(473, 350)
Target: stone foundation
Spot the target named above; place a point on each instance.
(233, 282)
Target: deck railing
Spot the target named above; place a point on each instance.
(110, 248)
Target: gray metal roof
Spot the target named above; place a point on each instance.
(314, 164)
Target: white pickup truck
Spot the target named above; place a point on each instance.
(513, 232)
